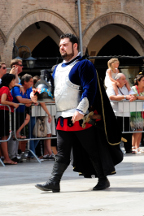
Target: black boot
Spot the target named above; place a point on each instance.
(103, 182)
(53, 183)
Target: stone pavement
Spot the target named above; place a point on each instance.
(125, 197)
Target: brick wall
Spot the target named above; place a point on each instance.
(16, 15)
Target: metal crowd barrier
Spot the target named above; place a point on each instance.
(124, 107)
(10, 127)
(34, 111)
(129, 109)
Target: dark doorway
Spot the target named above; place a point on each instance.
(117, 46)
(45, 52)
(47, 55)
(46, 48)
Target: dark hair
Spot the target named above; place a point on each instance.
(25, 78)
(73, 39)
(6, 79)
(138, 78)
(35, 79)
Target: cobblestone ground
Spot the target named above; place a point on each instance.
(18, 195)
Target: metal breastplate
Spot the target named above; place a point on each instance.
(67, 94)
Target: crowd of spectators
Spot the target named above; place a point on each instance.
(118, 89)
(15, 91)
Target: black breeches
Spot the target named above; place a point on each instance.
(86, 138)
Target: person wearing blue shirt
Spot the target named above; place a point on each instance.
(22, 115)
(19, 97)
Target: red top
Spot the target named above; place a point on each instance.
(75, 127)
(5, 90)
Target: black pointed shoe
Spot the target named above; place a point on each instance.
(53, 184)
(102, 184)
(49, 186)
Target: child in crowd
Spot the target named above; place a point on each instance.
(111, 73)
(49, 121)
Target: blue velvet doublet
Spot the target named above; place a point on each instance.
(83, 73)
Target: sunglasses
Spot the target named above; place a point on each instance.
(18, 64)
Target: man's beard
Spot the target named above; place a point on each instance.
(67, 57)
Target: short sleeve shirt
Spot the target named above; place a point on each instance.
(16, 92)
(5, 90)
(135, 90)
(110, 91)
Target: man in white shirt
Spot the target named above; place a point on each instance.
(123, 94)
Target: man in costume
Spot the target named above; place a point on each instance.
(75, 87)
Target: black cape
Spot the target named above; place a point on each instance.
(108, 139)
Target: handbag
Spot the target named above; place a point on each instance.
(40, 128)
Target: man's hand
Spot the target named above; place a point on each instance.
(22, 90)
(131, 98)
(28, 104)
(77, 116)
(16, 105)
(14, 70)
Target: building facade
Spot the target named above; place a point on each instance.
(108, 26)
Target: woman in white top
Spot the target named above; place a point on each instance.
(111, 73)
(137, 118)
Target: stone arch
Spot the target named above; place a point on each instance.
(2, 42)
(29, 19)
(2, 37)
(107, 33)
(111, 18)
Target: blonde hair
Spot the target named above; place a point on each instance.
(111, 61)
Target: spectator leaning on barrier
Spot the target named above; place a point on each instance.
(111, 73)
(136, 120)
(34, 143)
(50, 122)
(19, 97)
(3, 69)
(123, 94)
(7, 83)
(22, 116)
